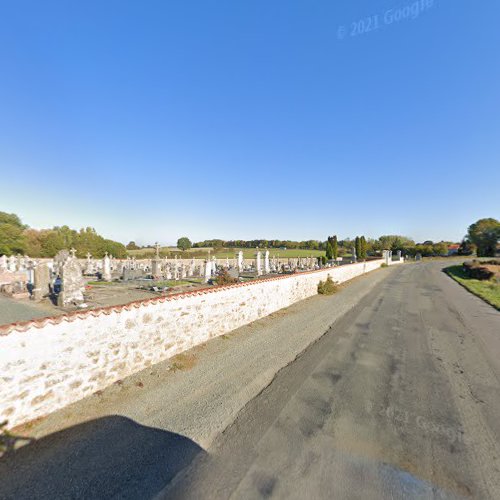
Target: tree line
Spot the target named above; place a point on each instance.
(18, 238)
(15, 237)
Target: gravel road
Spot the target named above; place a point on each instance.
(398, 399)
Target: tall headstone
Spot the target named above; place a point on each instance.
(156, 263)
(354, 256)
(259, 263)
(240, 261)
(89, 268)
(3, 262)
(60, 258)
(41, 282)
(267, 267)
(72, 284)
(208, 270)
(106, 268)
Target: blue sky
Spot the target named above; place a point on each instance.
(153, 120)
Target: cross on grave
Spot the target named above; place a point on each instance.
(73, 252)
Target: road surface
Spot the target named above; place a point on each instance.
(399, 398)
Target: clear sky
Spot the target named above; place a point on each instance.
(151, 120)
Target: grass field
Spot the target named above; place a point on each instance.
(248, 253)
(489, 291)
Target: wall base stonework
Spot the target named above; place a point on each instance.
(49, 363)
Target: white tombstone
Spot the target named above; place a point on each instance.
(259, 263)
(12, 264)
(240, 261)
(3, 262)
(267, 267)
(208, 270)
(106, 268)
(156, 268)
(89, 268)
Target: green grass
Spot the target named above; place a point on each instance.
(170, 283)
(489, 291)
(231, 253)
(101, 283)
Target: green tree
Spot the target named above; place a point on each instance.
(362, 247)
(440, 248)
(329, 250)
(115, 249)
(335, 247)
(184, 243)
(357, 246)
(485, 234)
(12, 240)
(466, 247)
(132, 246)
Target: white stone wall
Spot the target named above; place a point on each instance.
(47, 364)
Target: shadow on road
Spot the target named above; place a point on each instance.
(102, 458)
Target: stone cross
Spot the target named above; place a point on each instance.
(72, 252)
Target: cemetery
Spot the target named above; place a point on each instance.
(67, 283)
(55, 360)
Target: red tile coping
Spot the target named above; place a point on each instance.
(23, 326)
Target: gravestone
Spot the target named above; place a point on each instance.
(240, 261)
(72, 284)
(267, 267)
(41, 282)
(89, 267)
(156, 263)
(208, 271)
(258, 264)
(3, 262)
(106, 268)
(354, 256)
(12, 264)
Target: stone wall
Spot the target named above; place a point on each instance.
(49, 363)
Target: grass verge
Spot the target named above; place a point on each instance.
(489, 291)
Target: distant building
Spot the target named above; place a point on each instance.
(453, 249)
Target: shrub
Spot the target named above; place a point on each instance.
(384, 265)
(477, 270)
(327, 287)
(224, 278)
